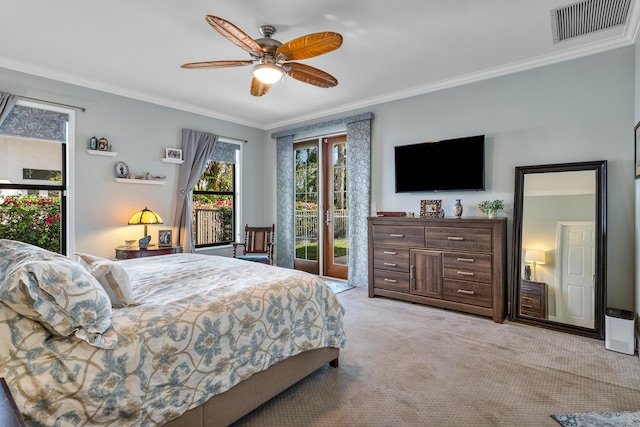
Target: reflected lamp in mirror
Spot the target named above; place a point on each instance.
(145, 217)
(534, 256)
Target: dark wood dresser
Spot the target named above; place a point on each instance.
(123, 252)
(454, 263)
(533, 299)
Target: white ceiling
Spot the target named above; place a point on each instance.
(391, 49)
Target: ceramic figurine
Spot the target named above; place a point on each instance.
(93, 143)
(144, 242)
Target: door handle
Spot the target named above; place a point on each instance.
(327, 216)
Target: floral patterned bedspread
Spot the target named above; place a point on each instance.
(204, 324)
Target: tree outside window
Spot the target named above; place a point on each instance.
(214, 205)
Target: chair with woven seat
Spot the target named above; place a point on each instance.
(257, 245)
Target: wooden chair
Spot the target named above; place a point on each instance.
(257, 245)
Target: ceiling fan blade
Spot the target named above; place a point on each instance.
(311, 75)
(216, 64)
(258, 88)
(234, 34)
(309, 46)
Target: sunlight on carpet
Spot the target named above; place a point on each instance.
(337, 285)
(599, 419)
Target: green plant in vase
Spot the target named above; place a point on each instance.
(491, 207)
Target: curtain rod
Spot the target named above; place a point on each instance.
(53, 103)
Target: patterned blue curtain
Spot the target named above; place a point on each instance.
(359, 197)
(7, 102)
(225, 152)
(29, 122)
(285, 229)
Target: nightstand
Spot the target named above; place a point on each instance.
(9, 414)
(123, 252)
(533, 299)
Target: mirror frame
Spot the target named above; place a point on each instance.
(600, 167)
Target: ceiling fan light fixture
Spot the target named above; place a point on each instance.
(267, 73)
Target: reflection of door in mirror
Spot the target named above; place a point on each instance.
(558, 211)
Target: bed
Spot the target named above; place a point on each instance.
(195, 340)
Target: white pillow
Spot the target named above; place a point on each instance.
(113, 278)
(63, 297)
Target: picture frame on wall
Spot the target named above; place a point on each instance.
(637, 150)
(165, 237)
(173, 154)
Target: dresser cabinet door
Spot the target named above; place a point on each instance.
(426, 273)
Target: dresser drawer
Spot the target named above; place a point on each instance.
(393, 235)
(394, 259)
(473, 267)
(530, 303)
(467, 292)
(391, 280)
(460, 239)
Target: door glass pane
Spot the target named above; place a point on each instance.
(306, 214)
(340, 208)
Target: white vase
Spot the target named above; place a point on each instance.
(492, 214)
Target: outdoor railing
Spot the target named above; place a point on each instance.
(209, 227)
(307, 223)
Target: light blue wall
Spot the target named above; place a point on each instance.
(573, 111)
(139, 132)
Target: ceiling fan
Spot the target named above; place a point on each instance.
(271, 59)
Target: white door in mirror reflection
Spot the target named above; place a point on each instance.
(577, 252)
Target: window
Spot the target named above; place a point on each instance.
(33, 177)
(214, 205)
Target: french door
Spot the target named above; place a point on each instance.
(321, 210)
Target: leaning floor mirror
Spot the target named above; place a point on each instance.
(559, 247)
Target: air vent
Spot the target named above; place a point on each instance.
(587, 17)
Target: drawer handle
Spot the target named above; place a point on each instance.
(465, 259)
(396, 235)
(527, 298)
(391, 264)
(466, 292)
(526, 306)
(524, 288)
(390, 253)
(390, 280)
(455, 238)
(465, 273)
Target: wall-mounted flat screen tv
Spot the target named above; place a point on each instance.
(450, 165)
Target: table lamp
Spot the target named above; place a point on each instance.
(145, 216)
(534, 256)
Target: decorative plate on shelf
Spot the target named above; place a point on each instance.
(122, 170)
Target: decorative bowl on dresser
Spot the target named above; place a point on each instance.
(452, 263)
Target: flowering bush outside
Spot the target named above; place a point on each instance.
(306, 206)
(31, 219)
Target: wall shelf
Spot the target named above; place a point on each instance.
(102, 153)
(170, 160)
(141, 181)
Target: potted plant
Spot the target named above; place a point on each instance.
(491, 207)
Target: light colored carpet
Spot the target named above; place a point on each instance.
(337, 285)
(411, 365)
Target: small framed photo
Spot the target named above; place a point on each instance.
(430, 208)
(637, 150)
(103, 144)
(174, 153)
(165, 237)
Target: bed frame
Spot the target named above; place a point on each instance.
(244, 397)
